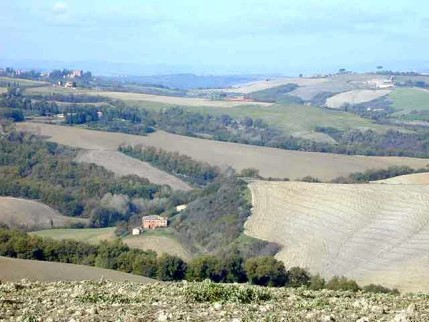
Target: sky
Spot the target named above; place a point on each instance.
(216, 37)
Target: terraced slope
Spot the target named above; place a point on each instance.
(13, 269)
(369, 232)
(270, 162)
(16, 212)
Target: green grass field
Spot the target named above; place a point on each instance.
(292, 119)
(22, 82)
(88, 235)
(406, 100)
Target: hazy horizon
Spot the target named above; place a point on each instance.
(223, 37)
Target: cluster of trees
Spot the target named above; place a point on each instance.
(378, 174)
(35, 169)
(265, 270)
(213, 222)
(183, 166)
(278, 94)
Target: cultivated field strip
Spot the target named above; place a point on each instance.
(361, 231)
(356, 96)
(16, 212)
(270, 162)
(13, 269)
(414, 178)
(123, 165)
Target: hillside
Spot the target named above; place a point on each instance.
(123, 165)
(146, 241)
(110, 301)
(13, 269)
(270, 162)
(372, 233)
(16, 212)
(414, 178)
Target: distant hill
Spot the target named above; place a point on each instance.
(29, 214)
(13, 269)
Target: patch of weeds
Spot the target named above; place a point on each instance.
(105, 298)
(208, 291)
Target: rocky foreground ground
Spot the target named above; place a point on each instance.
(126, 301)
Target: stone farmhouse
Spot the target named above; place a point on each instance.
(153, 222)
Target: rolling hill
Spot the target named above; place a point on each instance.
(13, 269)
(368, 232)
(270, 162)
(16, 212)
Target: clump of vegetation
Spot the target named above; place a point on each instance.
(341, 283)
(182, 166)
(378, 174)
(375, 288)
(208, 291)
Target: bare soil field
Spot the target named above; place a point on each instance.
(138, 97)
(16, 212)
(13, 269)
(356, 96)
(160, 244)
(414, 178)
(368, 232)
(122, 165)
(271, 162)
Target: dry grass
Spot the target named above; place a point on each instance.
(414, 178)
(138, 97)
(372, 233)
(122, 165)
(30, 214)
(13, 269)
(270, 162)
(356, 96)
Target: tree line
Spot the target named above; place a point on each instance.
(265, 270)
(182, 166)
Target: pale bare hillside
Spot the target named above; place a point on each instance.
(122, 165)
(16, 212)
(356, 96)
(270, 162)
(414, 178)
(369, 232)
(13, 269)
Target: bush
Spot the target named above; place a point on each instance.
(316, 283)
(208, 291)
(342, 284)
(266, 271)
(297, 277)
(375, 288)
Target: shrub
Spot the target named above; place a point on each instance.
(375, 288)
(297, 277)
(316, 283)
(342, 284)
(266, 271)
(208, 291)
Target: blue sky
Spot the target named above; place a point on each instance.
(259, 36)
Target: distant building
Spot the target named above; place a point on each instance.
(136, 231)
(181, 208)
(70, 85)
(153, 222)
(76, 74)
(381, 83)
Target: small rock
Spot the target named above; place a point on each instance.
(363, 319)
(411, 308)
(217, 306)
(92, 311)
(401, 317)
(378, 310)
(236, 320)
(162, 317)
(327, 318)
